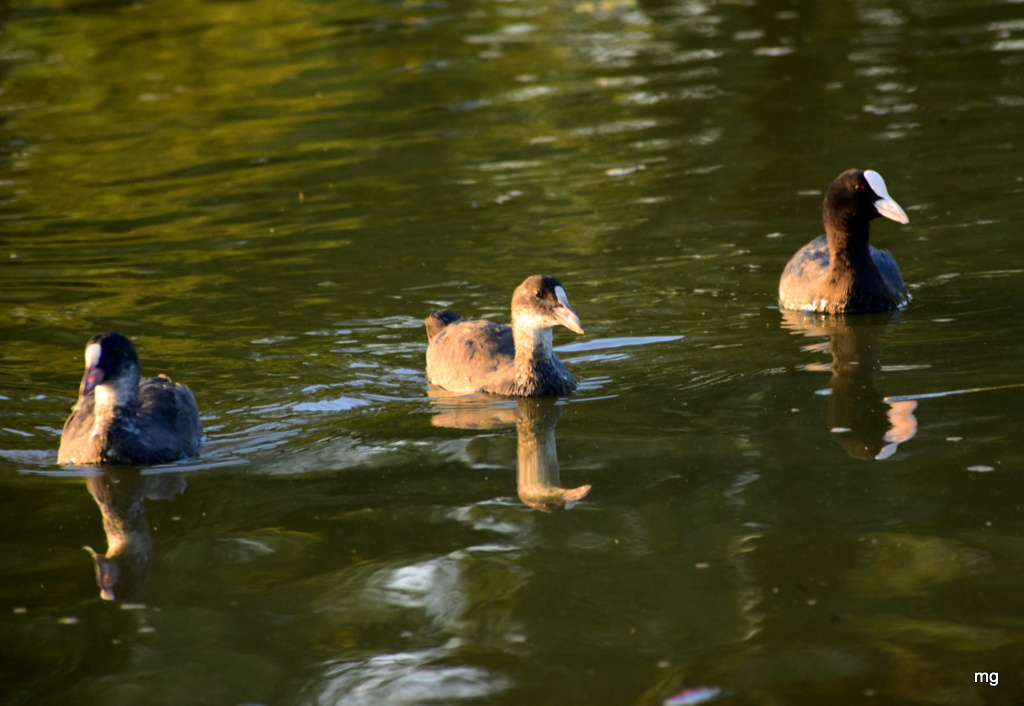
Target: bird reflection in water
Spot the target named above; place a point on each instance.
(861, 420)
(120, 494)
(538, 479)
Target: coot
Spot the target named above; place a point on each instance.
(121, 418)
(840, 272)
(473, 355)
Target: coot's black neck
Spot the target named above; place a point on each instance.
(853, 282)
(848, 236)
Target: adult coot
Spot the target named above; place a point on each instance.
(840, 271)
(120, 418)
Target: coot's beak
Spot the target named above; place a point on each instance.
(568, 318)
(885, 204)
(93, 375)
(891, 210)
(564, 313)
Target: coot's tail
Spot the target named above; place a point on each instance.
(438, 320)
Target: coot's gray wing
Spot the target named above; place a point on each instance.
(801, 283)
(168, 420)
(890, 272)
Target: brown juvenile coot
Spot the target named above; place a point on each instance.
(840, 271)
(123, 419)
(473, 355)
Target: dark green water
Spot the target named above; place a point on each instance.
(268, 197)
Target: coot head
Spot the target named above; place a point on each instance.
(859, 195)
(110, 359)
(541, 302)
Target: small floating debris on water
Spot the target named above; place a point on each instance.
(624, 171)
(68, 620)
(980, 468)
(692, 697)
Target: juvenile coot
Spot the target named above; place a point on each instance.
(473, 355)
(840, 271)
(121, 418)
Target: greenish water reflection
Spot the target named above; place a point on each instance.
(269, 197)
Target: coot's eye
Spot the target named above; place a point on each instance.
(861, 187)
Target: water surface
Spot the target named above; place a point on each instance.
(268, 198)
